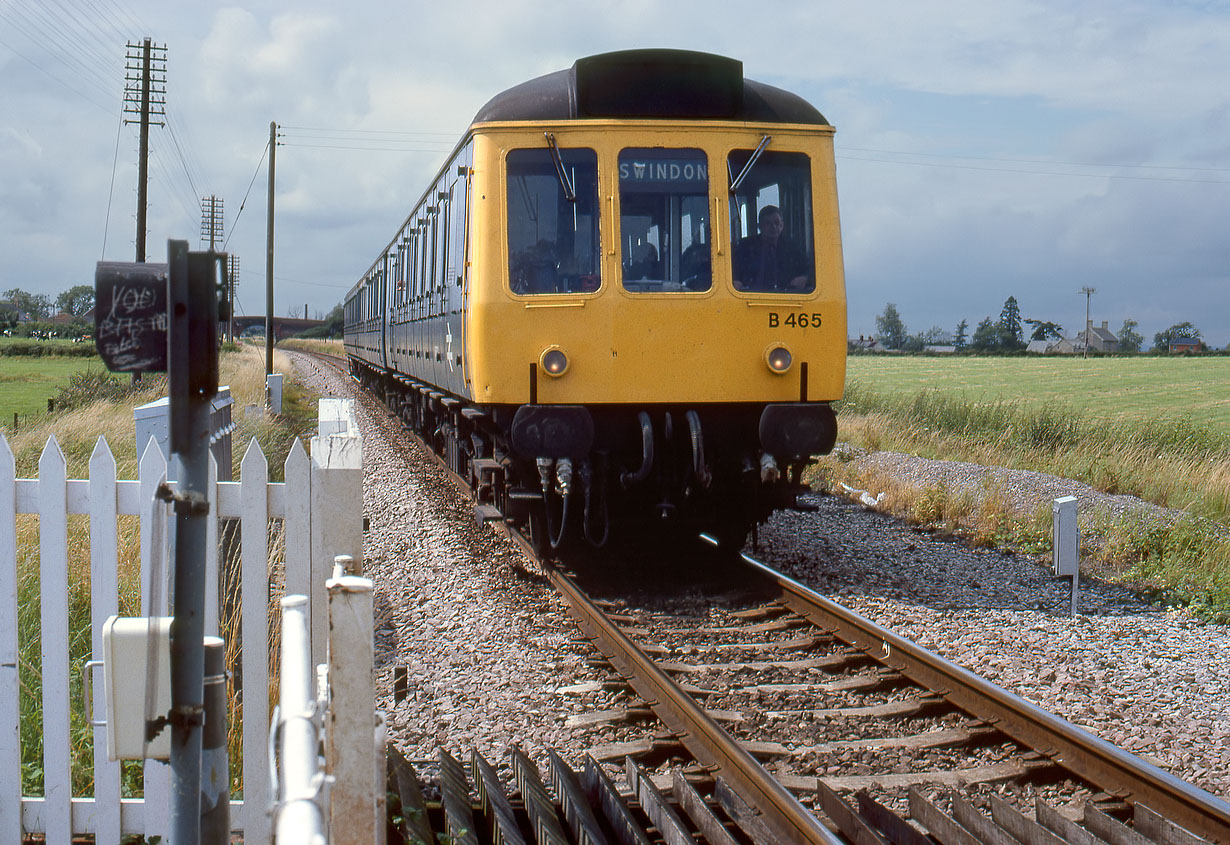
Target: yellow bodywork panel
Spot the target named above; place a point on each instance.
(621, 346)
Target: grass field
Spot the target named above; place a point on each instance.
(27, 383)
(1101, 388)
(1154, 428)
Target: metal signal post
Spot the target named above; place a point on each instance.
(192, 375)
(164, 318)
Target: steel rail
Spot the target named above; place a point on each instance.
(781, 812)
(1080, 752)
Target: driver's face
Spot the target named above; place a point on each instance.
(771, 227)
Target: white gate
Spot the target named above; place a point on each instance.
(333, 473)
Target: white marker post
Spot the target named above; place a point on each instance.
(1066, 541)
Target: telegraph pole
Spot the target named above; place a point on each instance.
(232, 281)
(273, 148)
(1088, 292)
(211, 220)
(144, 96)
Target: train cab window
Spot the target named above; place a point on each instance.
(664, 220)
(771, 227)
(553, 243)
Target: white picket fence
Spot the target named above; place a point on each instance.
(320, 505)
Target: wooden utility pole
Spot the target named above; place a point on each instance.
(1088, 292)
(144, 96)
(232, 280)
(273, 148)
(211, 220)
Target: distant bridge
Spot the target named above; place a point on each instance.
(283, 327)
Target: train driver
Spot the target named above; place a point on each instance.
(770, 262)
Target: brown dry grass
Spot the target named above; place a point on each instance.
(77, 432)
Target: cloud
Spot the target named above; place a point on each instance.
(964, 89)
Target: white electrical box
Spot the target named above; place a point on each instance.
(131, 645)
(273, 388)
(1065, 536)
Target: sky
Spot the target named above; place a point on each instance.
(984, 150)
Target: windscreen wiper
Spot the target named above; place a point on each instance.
(747, 168)
(570, 193)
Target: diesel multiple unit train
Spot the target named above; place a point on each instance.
(621, 304)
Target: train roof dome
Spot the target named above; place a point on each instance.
(650, 84)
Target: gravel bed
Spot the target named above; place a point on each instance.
(489, 645)
(486, 642)
(1154, 681)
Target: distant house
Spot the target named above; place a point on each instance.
(7, 307)
(940, 348)
(1042, 347)
(1186, 344)
(1099, 339)
(864, 344)
(1069, 346)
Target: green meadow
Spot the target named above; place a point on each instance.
(27, 383)
(1154, 428)
(1101, 389)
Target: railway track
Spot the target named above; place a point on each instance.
(741, 786)
(808, 635)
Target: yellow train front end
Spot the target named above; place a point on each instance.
(655, 308)
(641, 291)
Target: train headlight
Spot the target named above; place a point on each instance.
(778, 358)
(554, 362)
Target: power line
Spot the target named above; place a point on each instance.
(255, 173)
(335, 285)
(371, 149)
(356, 140)
(76, 91)
(23, 29)
(86, 65)
(182, 158)
(111, 190)
(364, 131)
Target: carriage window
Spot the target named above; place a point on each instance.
(664, 220)
(553, 243)
(771, 223)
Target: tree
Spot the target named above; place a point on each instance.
(1162, 340)
(959, 339)
(1010, 334)
(1044, 329)
(1130, 340)
(77, 300)
(986, 336)
(36, 306)
(331, 327)
(890, 328)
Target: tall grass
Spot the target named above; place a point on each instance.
(76, 430)
(1175, 462)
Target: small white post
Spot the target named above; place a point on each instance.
(337, 505)
(1065, 542)
(354, 796)
(273, 390)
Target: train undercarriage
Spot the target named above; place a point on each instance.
(581, 477)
